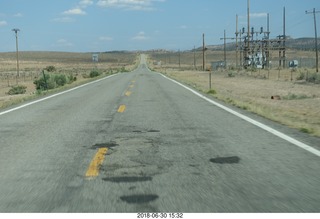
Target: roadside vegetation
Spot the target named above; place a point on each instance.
(288, 96)
(44, 73)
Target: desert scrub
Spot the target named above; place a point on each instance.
(306, 130)
(212, 91)
(291, 96)
(50, 68)
(314, 78)
(94, 73)
(18, 89)
(231, 74)
(52, 81)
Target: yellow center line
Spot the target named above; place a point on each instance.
(122, 108)
(131, 86)
(128, 93)
(93, 170)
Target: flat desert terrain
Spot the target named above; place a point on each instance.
(78, 65)
(295, 103)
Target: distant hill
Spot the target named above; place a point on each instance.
(305, 43)
(301, 43)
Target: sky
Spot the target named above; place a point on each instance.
(108, 25)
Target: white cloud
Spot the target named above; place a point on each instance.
(258, 15)
(63, 20)
(63, 43)
(183, 27)
(18, 15)
(85, 3)
(140, 36)
(3, 23)
(75, 11)
(105, 38)
(141, 5)
(255, 15)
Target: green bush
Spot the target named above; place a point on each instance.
(60, 80)
(301, 76)
(306, 130)
(291, 96)
(71, 79)
(212, 91)
(314, 78)
(42, 82)
(50, 68)
(231, 74)
(18, 89)
(94, 73)
(51, 81)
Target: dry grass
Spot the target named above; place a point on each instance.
(299, 106)
(76, 64)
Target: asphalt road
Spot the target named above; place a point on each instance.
(138, 142)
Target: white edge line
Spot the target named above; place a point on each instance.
(54, 95)
(252, 121)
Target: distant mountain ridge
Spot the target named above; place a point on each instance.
(304, 43)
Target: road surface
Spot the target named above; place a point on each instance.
(139, 142)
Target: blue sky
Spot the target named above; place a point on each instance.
(105, 25)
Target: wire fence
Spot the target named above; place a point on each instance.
(11, 78)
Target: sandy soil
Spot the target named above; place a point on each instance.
(298, 106)
(32, 63)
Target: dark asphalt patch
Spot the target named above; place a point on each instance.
(105, 145)
(225, 160)
(139, 199)
(153, 130)
(128, 179)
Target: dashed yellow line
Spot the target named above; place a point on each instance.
(128, 93)
(122, 108)
(93, 170)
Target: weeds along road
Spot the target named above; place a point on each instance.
(137, 142)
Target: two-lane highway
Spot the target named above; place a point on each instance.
(137, 142)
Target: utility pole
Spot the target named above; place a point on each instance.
(316, 37)
(284, 38)
(17, 50)
(225, 48)
(246, 49)
(203, 53)
(179, 60)
(237, 33)
(268, 43)
(248, 16)
(194, 57)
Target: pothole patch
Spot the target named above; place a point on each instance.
(128, 179)
(153, 130)
(139, 199)
(146, 131)
(225, 160)
(105, 145)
